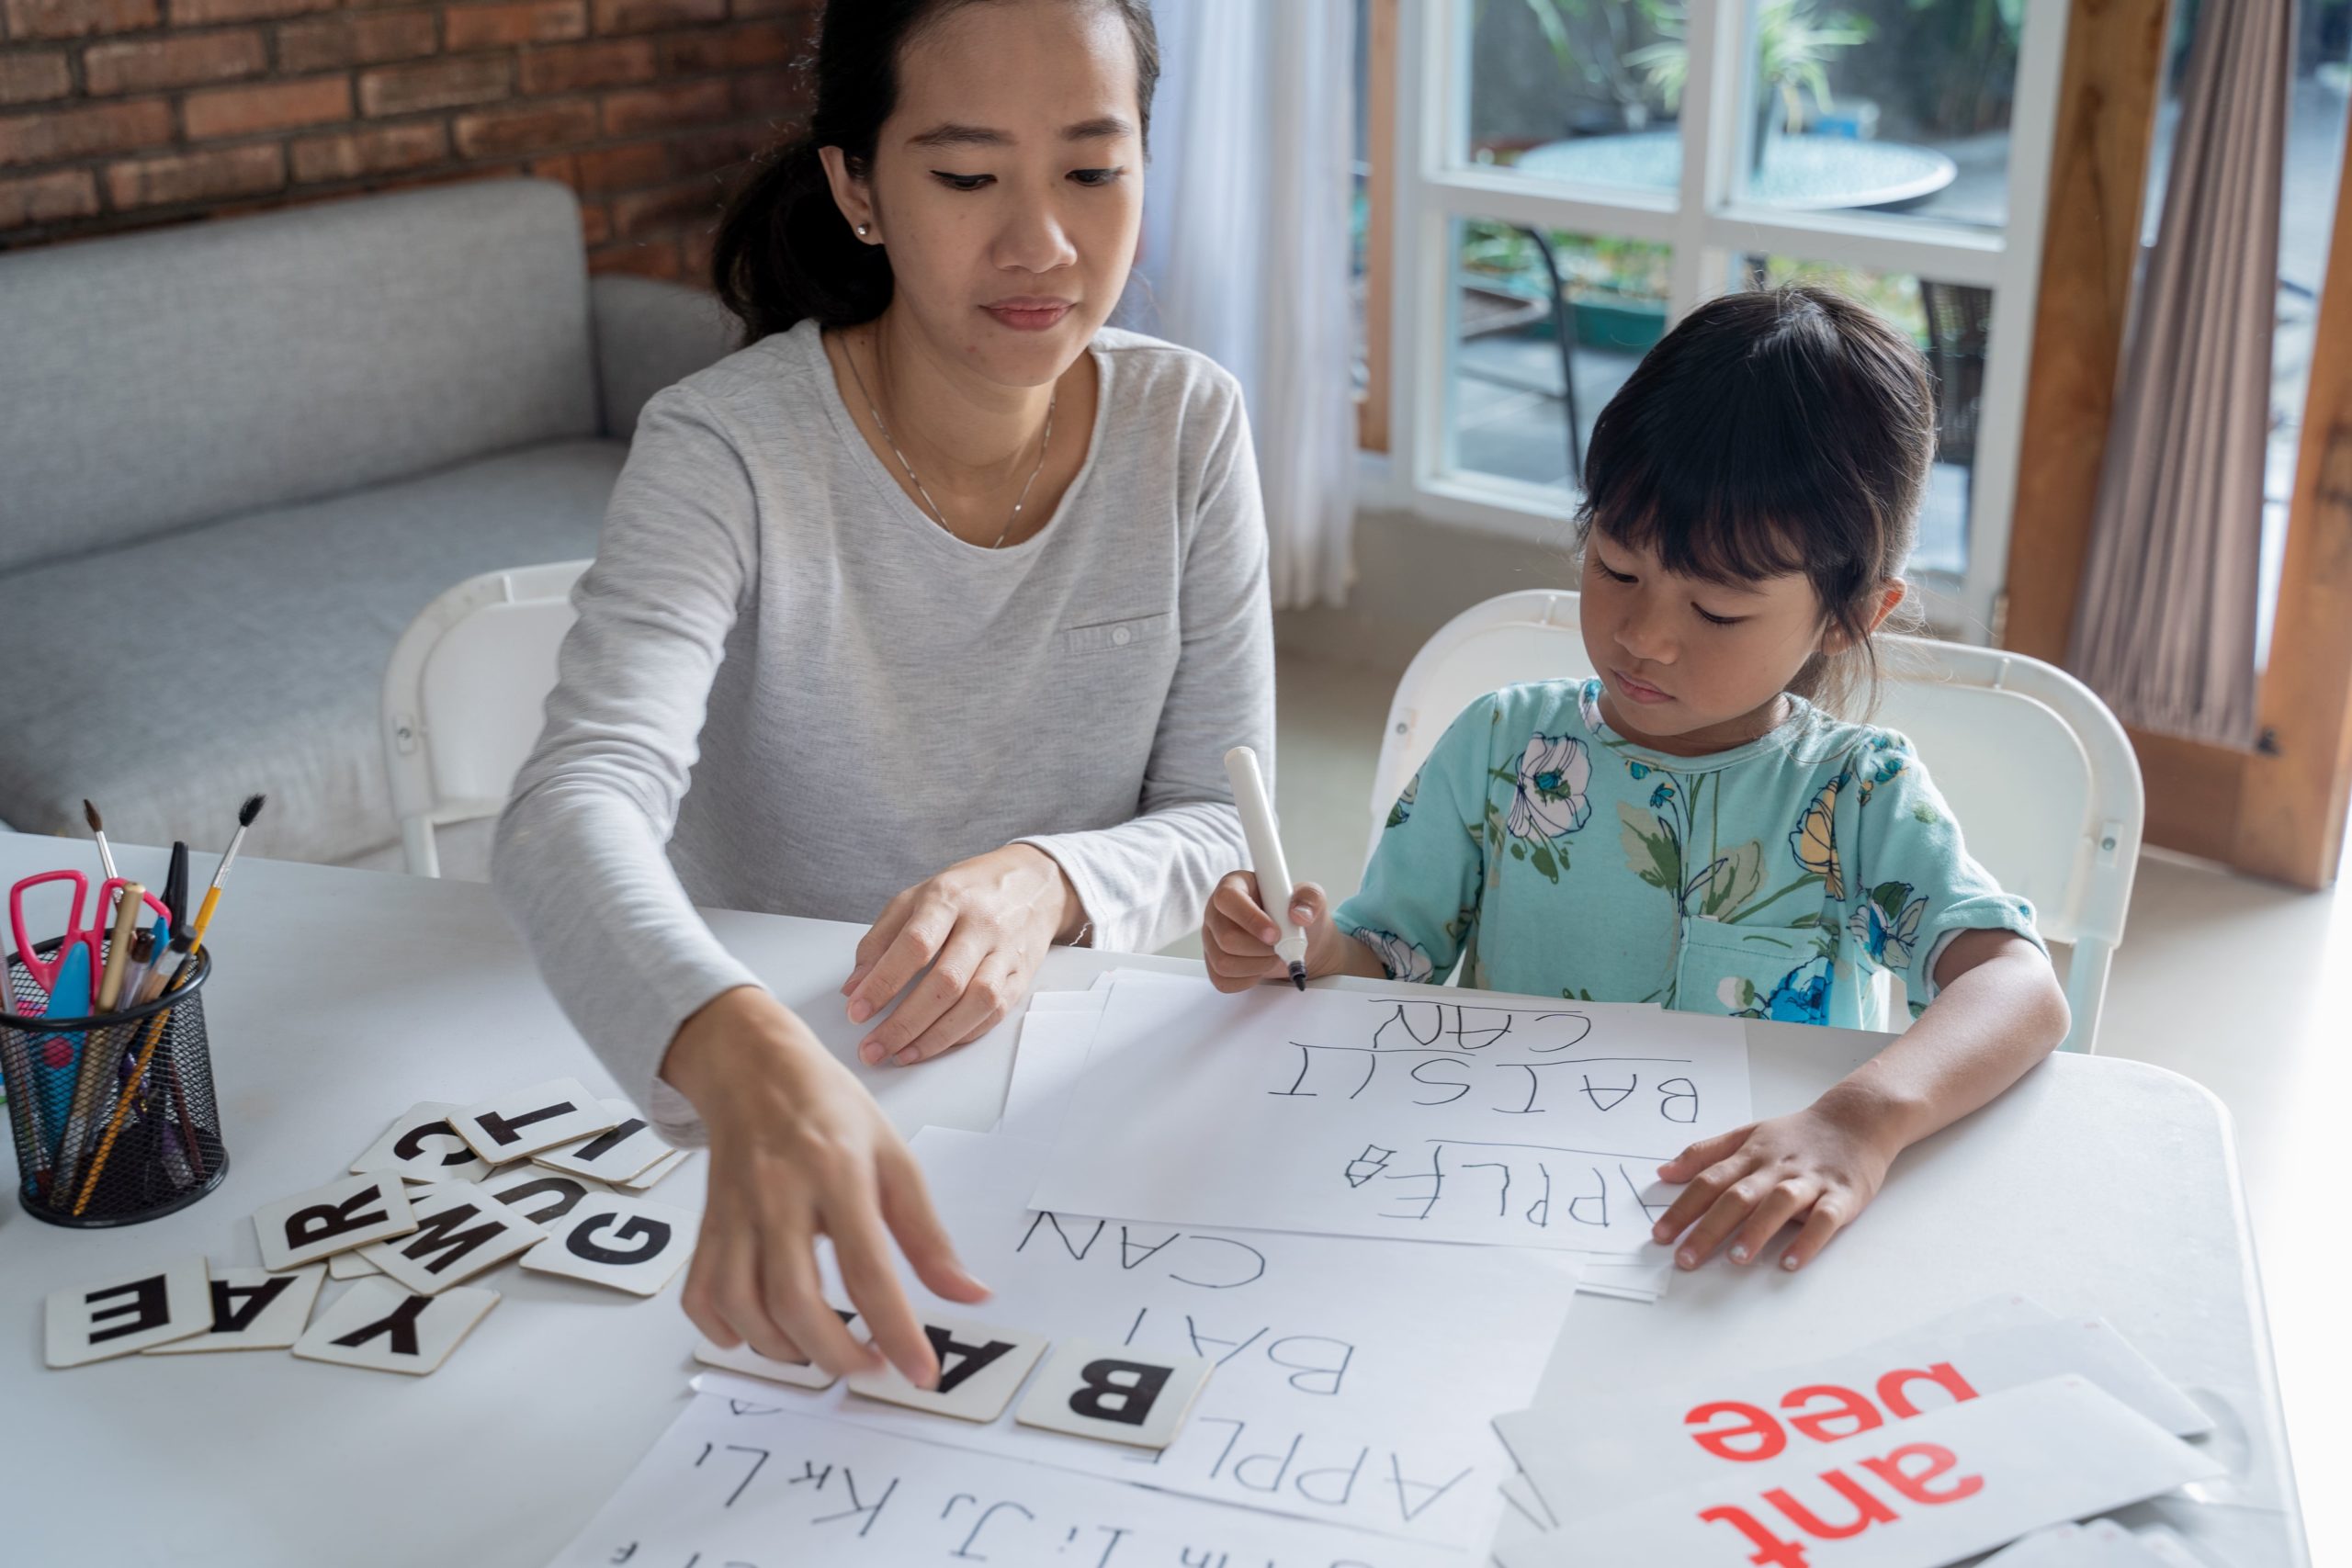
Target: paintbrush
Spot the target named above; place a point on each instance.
(245, 815)
(106, 855)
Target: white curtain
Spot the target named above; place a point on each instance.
(2171, 590)
(1246, 251)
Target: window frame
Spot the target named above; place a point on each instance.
(1428, 67)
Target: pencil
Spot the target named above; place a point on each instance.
(98, 1065)
(178, 977)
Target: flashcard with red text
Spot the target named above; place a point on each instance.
(1912, 1494)
(1591, 1455)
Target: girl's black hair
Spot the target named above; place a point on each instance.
(784, 251)
(1772, 432)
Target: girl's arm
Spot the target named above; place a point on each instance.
(1237, 937)
(1413, 917)
(1997, 1011)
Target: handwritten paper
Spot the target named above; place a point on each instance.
(1058, 1030)
(1356, 1382)
(1931, 1490)
(755, 1482)
(1588, 1456)
(1394, 1115)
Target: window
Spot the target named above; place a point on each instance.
(1547, 325)
(1573, 176)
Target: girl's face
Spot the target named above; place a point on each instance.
(1691, 666)
(1008, 183)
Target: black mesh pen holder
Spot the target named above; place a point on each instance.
(113, 1116)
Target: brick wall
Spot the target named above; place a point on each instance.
(121, 114)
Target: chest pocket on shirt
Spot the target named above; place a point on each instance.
(1117, 636)
(1775, 972)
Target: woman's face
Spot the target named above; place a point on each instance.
(1008, 183)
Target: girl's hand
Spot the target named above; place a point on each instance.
(800, 1149)
(983, 927)
(1818, 1169)
(1237, 935)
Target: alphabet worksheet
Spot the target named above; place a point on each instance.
(1354, 1382)
(753, 1483)
(1402, 1113)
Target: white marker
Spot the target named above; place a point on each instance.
(1266, 856)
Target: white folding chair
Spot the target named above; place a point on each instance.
(464, 698)
(2034, 765)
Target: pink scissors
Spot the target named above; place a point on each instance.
(46, 970)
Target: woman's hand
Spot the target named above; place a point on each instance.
(800, 1149)
(983, 926)
(1237, 936)
(1818, 1170)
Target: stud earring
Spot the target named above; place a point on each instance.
(863, 230)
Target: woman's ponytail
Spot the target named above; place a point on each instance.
(785, 253)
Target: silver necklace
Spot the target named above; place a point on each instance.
(1044, 446)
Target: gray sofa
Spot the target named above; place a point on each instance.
(236, 459)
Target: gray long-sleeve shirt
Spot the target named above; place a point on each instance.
(790, 690)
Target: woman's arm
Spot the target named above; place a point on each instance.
(1998, 1011)
(580, 862)
(797, 1146)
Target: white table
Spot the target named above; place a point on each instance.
(2098, 1186)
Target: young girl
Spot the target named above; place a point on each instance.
(1688, 828)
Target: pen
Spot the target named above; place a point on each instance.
(144, 948)
(175, 889)
(1266, 856)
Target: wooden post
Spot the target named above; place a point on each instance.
(2290, 814)
(2098, 174)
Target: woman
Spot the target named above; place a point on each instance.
(949, 600)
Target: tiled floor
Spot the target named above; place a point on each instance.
(2225, 979)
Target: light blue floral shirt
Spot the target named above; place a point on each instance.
(1788, 878)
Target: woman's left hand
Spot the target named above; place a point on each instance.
(1817, 1168)
(983, 927)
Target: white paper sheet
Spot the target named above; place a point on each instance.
(2102, 1543)
(1524, 1499)
(1400, 1115)
(1357, 1381)
(1592, 1455)
(758, 1483)
(1047, 1063)
(1051, 1054)
(1946, 1484)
